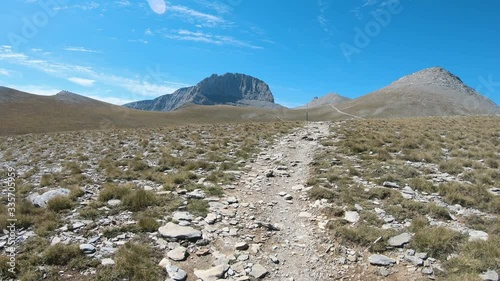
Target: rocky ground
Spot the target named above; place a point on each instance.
(258, 218)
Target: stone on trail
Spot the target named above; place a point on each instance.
(399, 240)
(489, 275)
(174, 231)
(212, 274)
(177, 254)
(381, 260)
(258, 271)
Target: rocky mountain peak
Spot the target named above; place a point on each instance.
(227, 89)
(435, 76)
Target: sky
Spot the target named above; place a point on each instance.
(120, 51)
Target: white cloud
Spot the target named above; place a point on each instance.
(152, 85)
(4, 72)
(112, 100)
(82, 81)
(86, 6)
(80, 49)
(138, 41)
(148, 32)
(123, 3)
(198, 36)
(35, 89)
(191, 15)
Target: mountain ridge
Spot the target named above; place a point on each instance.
(227, 89)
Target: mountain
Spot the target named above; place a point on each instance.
(326, 100)
(430, 92)
(228, 89)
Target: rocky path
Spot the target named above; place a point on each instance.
(273, 197)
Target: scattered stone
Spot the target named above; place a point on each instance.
(475, 235)
(489, 275)
(414, 260)
(305, 215)
(495, 191)
(212, 274)
(107, 261)
(42, 200)
(182, 216)
(384, 272)
(211, 218)
(196, 194)
(177, 254)
(381, 260)
(242, 246)
(274, 260)
(174, 231)
(399, 240)
(114, 202)
(390, 184)
(267, 225)
(87, 249)
(351, 216)
(258, 271)
(232, 200)
(427, 271)
(176, 273)
(269, 173)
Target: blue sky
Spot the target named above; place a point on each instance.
(124, 50)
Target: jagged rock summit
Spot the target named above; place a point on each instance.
(228, 89)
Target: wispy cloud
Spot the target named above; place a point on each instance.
(217, 6)
(194, 16)
(322, 18)
(145, 87)
(112, 100)
(81, 49)
(35, 89)
(4, 72)
(123, 3)
(198, 36)
(82, 81)
(85, 6)
(142, 41)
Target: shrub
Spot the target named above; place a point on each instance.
(134, 262)
(321, 193)
(139, 200)
(439, 242)
(148, 224)
(198, 207)
(61, 254)
(59, 204)
(112, 191)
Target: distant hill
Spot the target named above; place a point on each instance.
(430, 92)
(228, 89)
(23, 113)
(326, 100)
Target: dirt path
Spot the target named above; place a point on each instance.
(297, 246)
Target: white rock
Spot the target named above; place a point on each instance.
(174, 231)
(351, 217)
